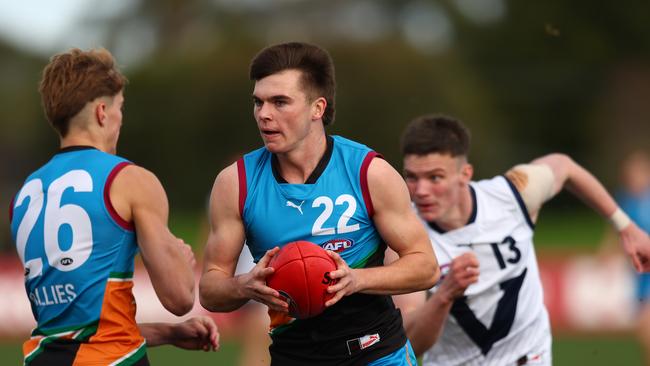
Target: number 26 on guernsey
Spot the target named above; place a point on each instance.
(55, 216)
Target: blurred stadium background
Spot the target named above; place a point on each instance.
(528, 78)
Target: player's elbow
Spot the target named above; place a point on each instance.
(430, 273)
(434, 275)
(206, 299)
(561, 157)
(557, 160)
(179, 304)
(205, 302)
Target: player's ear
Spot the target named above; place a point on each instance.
(318, 108)
(100, 111)
(466, 172)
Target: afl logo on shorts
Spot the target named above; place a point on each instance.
(337, 245)
(66, 261)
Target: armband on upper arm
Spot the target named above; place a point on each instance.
(535, 183)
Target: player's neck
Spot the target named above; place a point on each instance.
(77, 138)
(298, 164)
(460, 214)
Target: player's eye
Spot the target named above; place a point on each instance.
(280, 103)
(257, 102)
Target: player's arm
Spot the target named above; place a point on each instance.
(197, 333)
(417, 267)
(425, 318)
(544, 177)
(138, 196)
(219, 289)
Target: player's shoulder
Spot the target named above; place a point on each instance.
(228, 187)
(498, 188)
(135, 181)
(229, 174)
(349, 144)
(135, 173)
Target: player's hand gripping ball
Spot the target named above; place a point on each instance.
(301, 276)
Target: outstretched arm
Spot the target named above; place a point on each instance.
(219, 289)
(417, 267)
(548, 175)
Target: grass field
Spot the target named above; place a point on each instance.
(567, 351)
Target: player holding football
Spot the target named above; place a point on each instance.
(75, 222)
(307, 185)
(489, 309)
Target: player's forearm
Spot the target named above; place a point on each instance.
(174, 288)
(424, 325)
(156, 334)
(178, 295)
(411, 272)
(217, 292)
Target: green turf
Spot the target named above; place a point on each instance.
(617, 351)
(567, 351)
(11, 354)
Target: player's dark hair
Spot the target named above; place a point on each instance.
(314, 63)
(74, 78)
(433, 134)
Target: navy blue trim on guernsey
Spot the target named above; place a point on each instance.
(521, 202)
(318, 171)
(76, 148)
(504, 316)
(472, 216)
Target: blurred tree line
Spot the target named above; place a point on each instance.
(527, 78)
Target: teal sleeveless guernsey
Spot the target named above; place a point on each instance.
(333, 209)
(78, 256)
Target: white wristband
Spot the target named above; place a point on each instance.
(619, 219)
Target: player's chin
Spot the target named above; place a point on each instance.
(428, 214)
(274, 147)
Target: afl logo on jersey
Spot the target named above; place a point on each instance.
(337, 245)
(66, 261)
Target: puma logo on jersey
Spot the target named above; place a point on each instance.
(297, 207)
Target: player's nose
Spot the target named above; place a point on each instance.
(264, 112)
(422, 188)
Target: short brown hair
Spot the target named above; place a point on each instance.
(74, 78)
(436, 134)
(315, 64)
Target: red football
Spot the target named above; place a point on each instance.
(302, 277)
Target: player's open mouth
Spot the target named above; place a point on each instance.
(270, 133)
